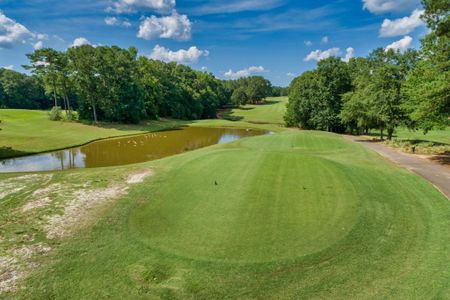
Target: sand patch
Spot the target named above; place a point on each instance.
(36, 204)
(26, 252)
(17, 184)
(9, 274)
(82, 202)
(139, 176)
(41, 197)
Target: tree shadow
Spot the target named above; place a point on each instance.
(149, 126)
(229, 116)
(443, 159)
(8, 152)
(270, 102)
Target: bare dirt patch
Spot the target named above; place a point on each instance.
(83, 201)
(139, 176)
(17, 184)
(79, 203)
(41, 197)
(9, 274)
(26, 252)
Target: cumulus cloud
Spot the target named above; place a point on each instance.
(175, 26)
(80, 42)
(10, 67)
(38, 45)
(319, 54)
(401, 45)
(130, 6)
(12, 32)
(325, 40)
(244, 73)
(290, 74)
(349, 53)
(385, 6)
(402, 26)
(190, 56)
(40, 38)
(113, 21)
(308, 43)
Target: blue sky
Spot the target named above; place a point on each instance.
(278, 39)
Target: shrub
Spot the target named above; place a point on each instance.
(56, 114)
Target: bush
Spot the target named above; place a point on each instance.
(56, 114)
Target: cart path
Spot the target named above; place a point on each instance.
(435, 173)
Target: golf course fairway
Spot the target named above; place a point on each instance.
(292, 215)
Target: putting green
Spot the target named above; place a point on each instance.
(302, 204)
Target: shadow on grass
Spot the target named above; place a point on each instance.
(150, 126)
(8, 152)
(229, 115)
(269, 102)
(443, 159)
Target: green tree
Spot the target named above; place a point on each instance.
(427, 88)
(315, 98)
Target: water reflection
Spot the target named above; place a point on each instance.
(126, 150)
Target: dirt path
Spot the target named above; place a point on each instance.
(437, 174)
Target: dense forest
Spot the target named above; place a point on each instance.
(382, 91)
(115, 85)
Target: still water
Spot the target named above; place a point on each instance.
(126, 150)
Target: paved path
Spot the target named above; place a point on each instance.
(432, 171)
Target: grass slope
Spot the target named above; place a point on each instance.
(271, 112)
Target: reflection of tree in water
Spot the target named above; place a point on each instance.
(68, 159)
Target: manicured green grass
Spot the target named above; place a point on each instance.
(27, 131)
(271, 112)
(437, 136)
(293, 215)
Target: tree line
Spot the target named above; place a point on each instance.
(116, 85)
(382, 91)
(18, 90)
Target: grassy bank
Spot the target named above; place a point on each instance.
(271, 112)
(296, 214)
(30, 131)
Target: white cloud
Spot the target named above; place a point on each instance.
(402, 26)
(400, 45)
(319, 54)
(384, 6)
(325, 40)
(190, 56)
(10, 67)
(113, 21)
(175, 26)
(80, 42)
(204, 68)
(12, 32)
(244, 73)
(349, 53)
(290, 74)
(308, 43)
(234, 6)
(39, 45)
(130, 6)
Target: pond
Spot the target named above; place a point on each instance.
(126, 150)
